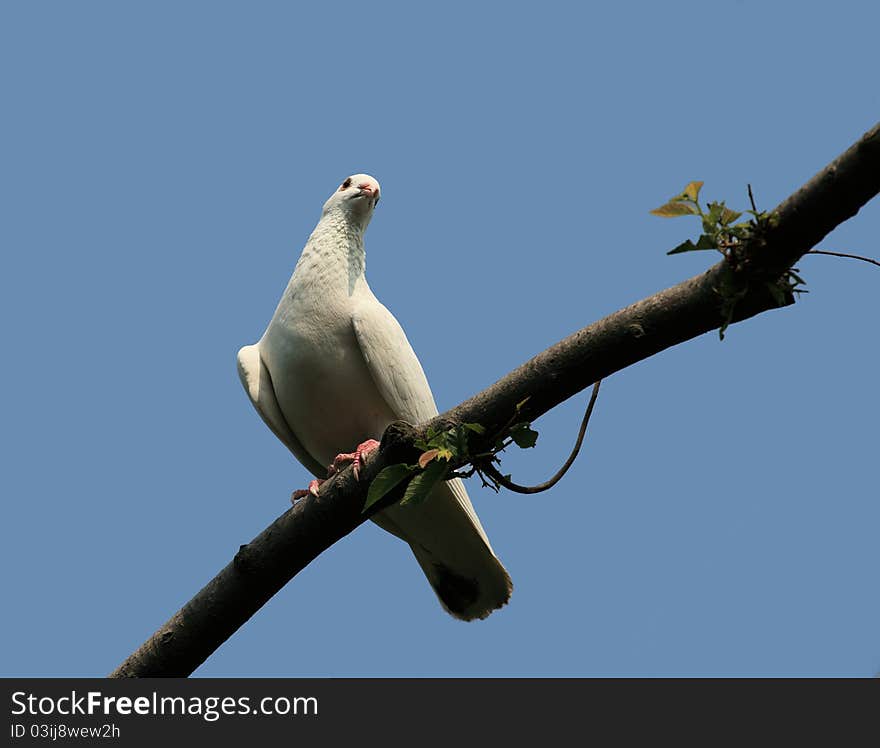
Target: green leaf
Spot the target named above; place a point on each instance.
(706, 242)
(387, 479)
(437, 440)
(425, 444)
(692, 191)
(523, 435)
(521, 403)
(686, 246)
(420, 486)
(475, 427)
(713, 218)
(672, 209)
(728, 216)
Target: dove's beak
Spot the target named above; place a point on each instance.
(369, 189)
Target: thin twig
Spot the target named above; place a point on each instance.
(843, 254)
(752, 199)
(493, 473)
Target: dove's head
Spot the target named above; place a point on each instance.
(355, 199)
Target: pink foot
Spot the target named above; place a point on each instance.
(302, 493)
(355, 458)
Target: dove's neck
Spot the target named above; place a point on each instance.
(334, 254)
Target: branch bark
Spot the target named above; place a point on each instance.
(263, 566)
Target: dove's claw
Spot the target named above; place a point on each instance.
(362, 451)
(355, 458)
(301, 493)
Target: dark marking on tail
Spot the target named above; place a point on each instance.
(458, 593)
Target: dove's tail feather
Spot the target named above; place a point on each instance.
(470, 595)
(452, 548)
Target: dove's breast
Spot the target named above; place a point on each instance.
(321, 381)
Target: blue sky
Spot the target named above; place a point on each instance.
(163, 164)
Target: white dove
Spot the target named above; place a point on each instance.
(334, 368)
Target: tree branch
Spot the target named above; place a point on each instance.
(691, 308)
(844, 254)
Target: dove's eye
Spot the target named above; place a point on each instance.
(346, 184)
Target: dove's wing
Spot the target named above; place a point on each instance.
(401, 381)
(444, 532)
(393, 364)
(258, 385)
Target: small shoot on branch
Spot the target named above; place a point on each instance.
(723, 233)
